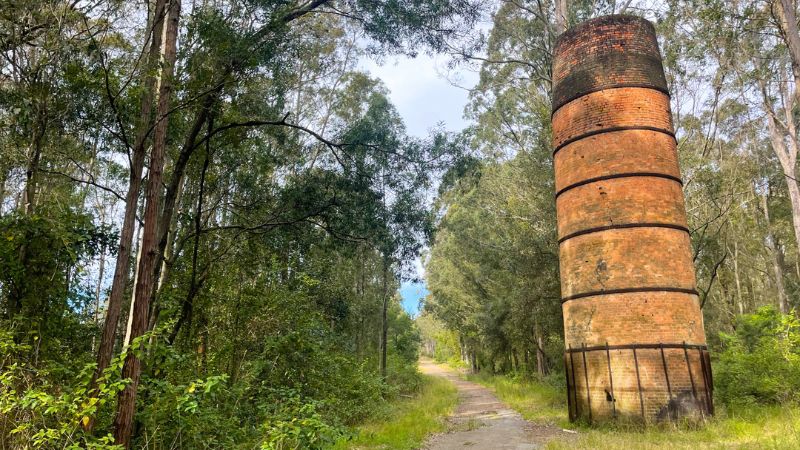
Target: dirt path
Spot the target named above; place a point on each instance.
(482, 422)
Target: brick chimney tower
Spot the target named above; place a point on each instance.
(633, 327)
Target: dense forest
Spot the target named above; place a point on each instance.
(207, 208)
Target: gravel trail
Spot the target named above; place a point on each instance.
(482, 422)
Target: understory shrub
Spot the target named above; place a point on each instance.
(295, 422)
(37, 413)
(760, 362)
(402, 376)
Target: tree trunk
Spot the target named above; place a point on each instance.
(794, 199)
(561, 16)
(739, 301)
(100, 273)
(384, 317)
(195, 284)
(129, 323)
(787, 156)
(17, 294)
(541, 359)
(171, 200)
(122, 266)
(791, 36)
(162, 275)
(32, 171)
(233, 369)
(202, 345)
(778, 267)
(777, 259)
(526, 367)
(473, 361)
(3, 177)
(123, 422)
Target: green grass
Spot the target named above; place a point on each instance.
(743, 427)
(409, 421)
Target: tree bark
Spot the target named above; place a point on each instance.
(794, 199)
(171, 200)
(32, 171)
(739, 300)
(778, 266)
(3, 177)
(785, 151)
(541, 360)
(129, 324)
(195, 283)
(473, 361)
(561, 16)
(99, 289)
(384, 318)
(122, 266)
(777, 259)
(17, 293)
(791, 36)
(123, 421)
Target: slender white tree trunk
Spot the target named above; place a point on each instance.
(561, 16)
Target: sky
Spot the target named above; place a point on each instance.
(411, 294)
(422, 91)
(426, 95)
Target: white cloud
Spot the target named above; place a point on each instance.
(422, 93)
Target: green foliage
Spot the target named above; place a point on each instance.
(37, 254)
(34, 413)
(402, 378)
(438, 342)
(492, 271)
(760, 362)
(300, 204)
(295, 423)
(303, 203)
(197, 413)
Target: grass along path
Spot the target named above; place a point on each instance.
(753, 427)
(409, 421)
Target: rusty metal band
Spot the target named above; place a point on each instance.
(638, 381)
(623, 226)
(575, 386)
(629, 291)
(618, 175)
(611, 382)
(689, 370)
(606, 88)
(666, 372)
(569, 389)
(611, 130)
(586, 379)
(708, 382)
(637, 347)
(700, 353)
